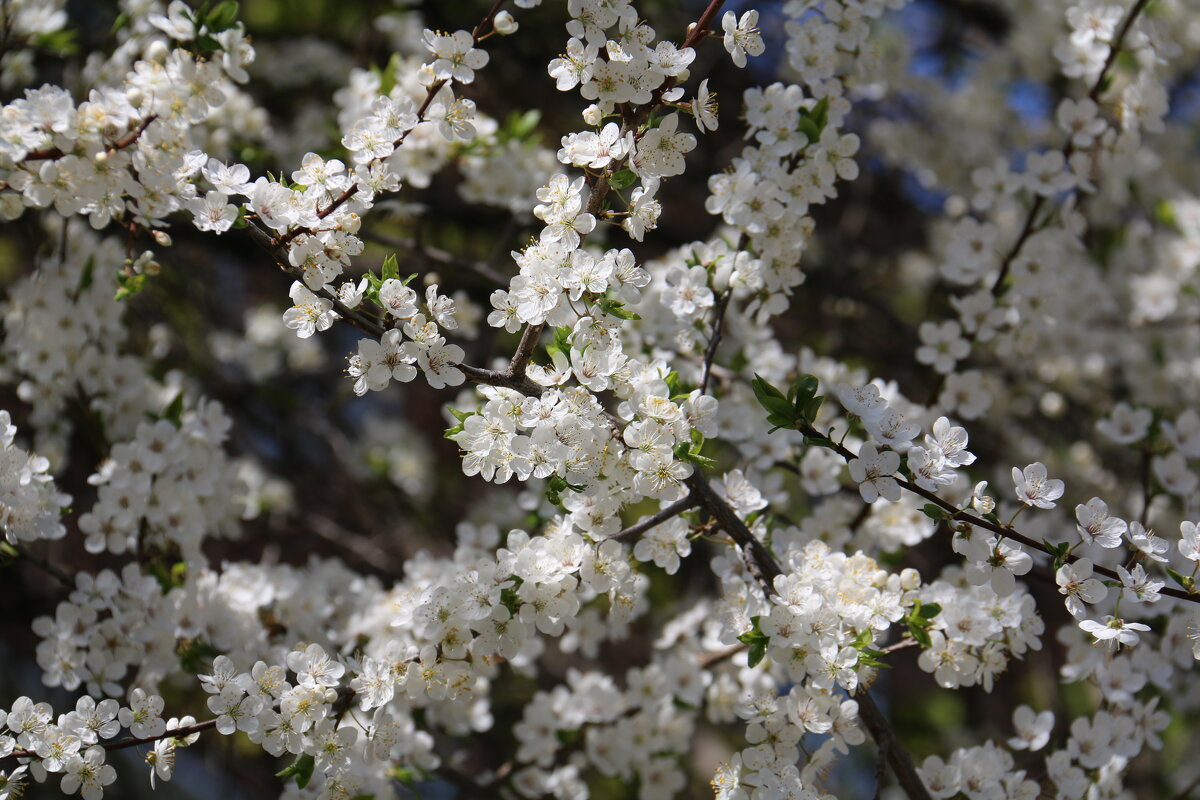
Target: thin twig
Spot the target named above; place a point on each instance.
(654, 520)
(117, 144)
(1029, 226)
(121, 744)
(962, 515)
(51, 569)
(717, 656)
(710, 352)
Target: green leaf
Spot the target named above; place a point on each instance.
(820, 113)
(814, 120)
(672, 380)
(61, 42)
(86, 277)
(1186, 581)
(129, 286)
(872, 658)
(174, 411)
(615, 308)
(390, 269)
(520, 126)
(195, 653)
(622, 179)
(755, 634)
(809, 129)
(919, 634)
(1059, 551)
(813, 408)
(205, 45)
(803, 389)
(934, 512)
(301, 769)
(756, 653)
(929, 610)
(223, 17)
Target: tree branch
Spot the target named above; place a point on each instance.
(897, 757)
(962, 515)
(654, 520)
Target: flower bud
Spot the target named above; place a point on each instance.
(910, 579)
(592, 115)
(162, 238)
(157, 51)
(505, 24)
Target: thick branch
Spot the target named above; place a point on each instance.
(759, 561)
(897, 757)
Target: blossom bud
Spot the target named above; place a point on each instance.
(910, 579)
(505, 24)
(351, 223)
(157, 51)
(11, 206)
(101, 157)
(135, 97)
(592, 115)
(162, 238)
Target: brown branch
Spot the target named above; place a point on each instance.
(175, 733)
(696, 32)
(658, 518)
(962, 515)
(763, 566)
(1029, 226)
(1115, 48)
(525, 348)
(437, 256)
(759, 561)
(430, 94)
(717, 656)
(113, 146)
(897, 757)
(488, 19)
(51, 569)
(1186, 792)
(710, 352)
